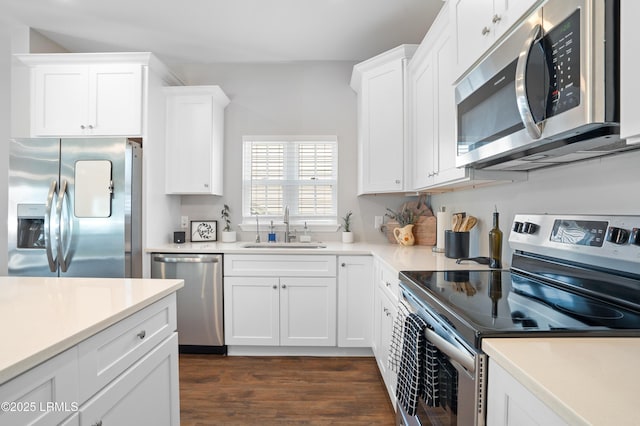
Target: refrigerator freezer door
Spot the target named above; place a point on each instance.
(33, 172)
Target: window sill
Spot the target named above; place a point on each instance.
(297, 227)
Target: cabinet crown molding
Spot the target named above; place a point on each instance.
(404, 51)
(216, 92)
(142, 58)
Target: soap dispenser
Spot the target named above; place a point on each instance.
(305, 237)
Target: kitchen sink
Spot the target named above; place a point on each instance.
(285, 245)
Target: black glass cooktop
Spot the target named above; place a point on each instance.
(493, 303)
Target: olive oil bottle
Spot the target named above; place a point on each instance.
(495, 242)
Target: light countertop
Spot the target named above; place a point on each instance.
(42, 317)
(400, 258)
(586, 381)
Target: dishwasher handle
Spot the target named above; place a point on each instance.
(186, 259)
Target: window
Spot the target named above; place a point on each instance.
(297, 171)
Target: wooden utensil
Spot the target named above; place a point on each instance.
(456, 222)
(468, 223)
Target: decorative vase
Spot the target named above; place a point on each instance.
(404, 235)
(228, 236)
(347, 237)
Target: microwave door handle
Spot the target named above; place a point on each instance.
(534, 129)
(53, 267)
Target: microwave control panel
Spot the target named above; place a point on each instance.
(562, 46)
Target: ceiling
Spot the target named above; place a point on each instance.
(229, 31)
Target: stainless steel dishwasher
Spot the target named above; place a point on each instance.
(200, 316)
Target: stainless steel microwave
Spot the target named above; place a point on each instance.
(547, 94)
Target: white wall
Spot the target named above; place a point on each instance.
(311, 98)
(608, 185)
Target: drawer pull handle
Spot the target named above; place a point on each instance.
(142, 335)
(275, 287)
(284, 286)
(343, 265)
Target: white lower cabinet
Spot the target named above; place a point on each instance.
(53, 382)
(145, 394)
(355, 301)
(252, 311)
(279, 310)
(298, 300)
(509, 403)
(126, 374)
(385, 312)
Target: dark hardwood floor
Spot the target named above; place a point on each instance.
(220, 390)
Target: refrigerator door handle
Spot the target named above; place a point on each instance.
(47, 227)
(62, 198)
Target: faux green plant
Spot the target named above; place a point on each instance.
(224, 214)
(404, 217)
(347, 221)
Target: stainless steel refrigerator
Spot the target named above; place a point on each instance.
(75, 207)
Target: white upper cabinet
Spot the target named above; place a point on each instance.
(380, 84)
(86, 94)
(432, 110)
(629, 64)
(195, 139)
(480, 23)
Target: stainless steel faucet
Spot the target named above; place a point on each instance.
(286, 224)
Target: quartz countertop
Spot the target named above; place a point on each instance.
(586, 381)
(42, 317)
(400, 258)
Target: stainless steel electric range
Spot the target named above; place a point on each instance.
(569, 276)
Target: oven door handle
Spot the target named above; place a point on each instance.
(456, 354)
(534, 129)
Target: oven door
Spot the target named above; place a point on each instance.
(460, 386)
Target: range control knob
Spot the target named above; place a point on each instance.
(529, 228)
(517, 227)
(635, 236)
(617, 235)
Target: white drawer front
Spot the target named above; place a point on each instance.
(390, 282)
(280, 265)
(44, 395)
(146, 394)
(107, 354)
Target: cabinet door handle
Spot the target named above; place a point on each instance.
(387, 283)
(496, 18)
(82, 126)
(343, 265)
(284, 286)
(90, 126)
(98, 423)
(142, 335)
(275, 287)
(485, 31)
(398, 181)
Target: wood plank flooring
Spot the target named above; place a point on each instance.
(221, 390)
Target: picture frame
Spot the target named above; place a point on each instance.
(204, 230)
